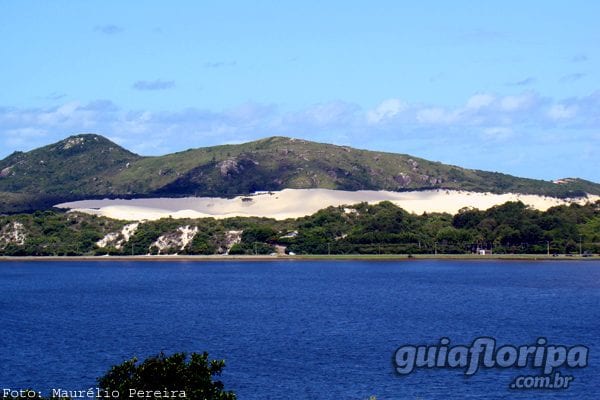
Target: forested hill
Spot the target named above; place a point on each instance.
(91, 166)
(360, 229)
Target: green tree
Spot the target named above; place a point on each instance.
(258, 234)
(467, 218)
(194, 376)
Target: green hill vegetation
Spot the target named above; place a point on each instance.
(91, 166)
(76, 167)
(360, 229)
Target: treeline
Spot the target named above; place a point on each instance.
(509, 228)
(360, 229)
(51, 233)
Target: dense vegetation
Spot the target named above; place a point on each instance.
(175, 375)
(508, 228)
(157, 377)
(48, 233)
(91, 166)
(360, 229)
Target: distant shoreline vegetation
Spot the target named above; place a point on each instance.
(361, 229)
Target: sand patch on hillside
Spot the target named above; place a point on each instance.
(294, 203)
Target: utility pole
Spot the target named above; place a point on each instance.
(547, 247)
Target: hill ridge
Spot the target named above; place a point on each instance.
(87, 166)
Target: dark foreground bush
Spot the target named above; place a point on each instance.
(168, 376)
(158, 377)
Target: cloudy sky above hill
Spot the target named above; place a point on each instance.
(511, 86)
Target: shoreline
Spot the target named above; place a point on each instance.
(316, 257)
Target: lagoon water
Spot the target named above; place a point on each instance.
(292, 329)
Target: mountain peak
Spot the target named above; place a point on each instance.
(76, 141)
(85, 141)
(64, 168)
(275, 139)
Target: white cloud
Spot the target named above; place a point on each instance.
(478, 101)
(562, 112)
(498, 133)
(386, 110)
(324, 115)
(517, 103)
(437, 115)
(22, 137)
(249, 112)
(61, 114)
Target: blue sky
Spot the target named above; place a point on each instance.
(507, 86)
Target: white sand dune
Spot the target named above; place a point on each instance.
(294, 203)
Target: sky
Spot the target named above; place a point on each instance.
(506, 86)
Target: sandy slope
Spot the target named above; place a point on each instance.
(293, 203)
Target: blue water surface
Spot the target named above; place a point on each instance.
(294, 329)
